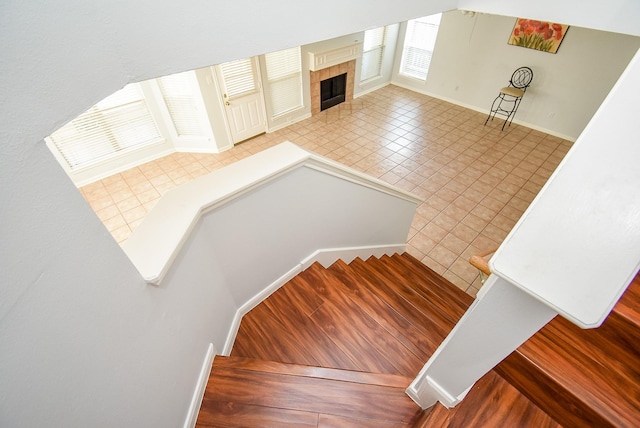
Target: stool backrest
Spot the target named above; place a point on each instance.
(521, 78)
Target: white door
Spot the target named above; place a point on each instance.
(242, 97)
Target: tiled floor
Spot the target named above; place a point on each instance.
(476, 180)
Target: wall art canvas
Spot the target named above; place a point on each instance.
(539, 35)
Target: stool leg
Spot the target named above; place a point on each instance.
(494, 110)
(511, 114)
(517, 104)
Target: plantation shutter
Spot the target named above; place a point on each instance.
(179, 92)
(239, 77)
(372, 53)
(119, 122)
(419, 42)
(284, 78)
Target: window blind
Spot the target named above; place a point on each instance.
(179, 94)
(372, 53)
(284, 79)
(119, 122)
(420, 39)
(239, 77)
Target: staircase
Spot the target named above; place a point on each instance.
(338, 346)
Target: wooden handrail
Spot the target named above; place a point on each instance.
(480, 262)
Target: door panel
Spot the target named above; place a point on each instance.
(243, 99)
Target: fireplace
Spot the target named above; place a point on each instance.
(345, 71)
(332, 91)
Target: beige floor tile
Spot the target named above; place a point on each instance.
(464, 270)
(115, 222)
(108, 212)
(128, 204)
(433, 264)
(456, 280)
(423, 242)
(121, 234)
(453, 243)
(474, 222)
(434, 232)
(443, 255)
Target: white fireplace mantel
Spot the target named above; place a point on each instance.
(321, 59)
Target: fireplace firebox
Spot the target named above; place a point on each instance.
(333, 91)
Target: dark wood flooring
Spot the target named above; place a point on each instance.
(584, 377)
(338, 346)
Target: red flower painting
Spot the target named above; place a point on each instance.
(539, 35)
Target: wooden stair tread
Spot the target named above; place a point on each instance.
(249, 364)
(596, 373)
(628, 307)
(430, 281)
(492, 402)
(245, 391)
(219, 414)
(432, 323)
(381, 309)
(358, 334)
(429, 326)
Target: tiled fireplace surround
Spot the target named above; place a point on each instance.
(348, 67)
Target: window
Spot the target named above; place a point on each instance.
(180, 95)
(284, 78)
(239, 77)
(120, 122)
(373, 53)
(419, 41)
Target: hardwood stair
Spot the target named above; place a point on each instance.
(338, 346)
(584, 377)
(250, 393)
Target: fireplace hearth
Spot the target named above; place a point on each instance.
(333, 91)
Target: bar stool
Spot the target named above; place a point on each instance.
(511, 95)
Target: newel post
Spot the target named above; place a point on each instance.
(501, 319)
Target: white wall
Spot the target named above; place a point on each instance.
(619, 16)
(84, 341)
(472, 61)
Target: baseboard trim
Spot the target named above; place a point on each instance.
(371, 89)
(485, 111)
(253, 302)
(284, 125)
(326, 257)
(201, 385)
